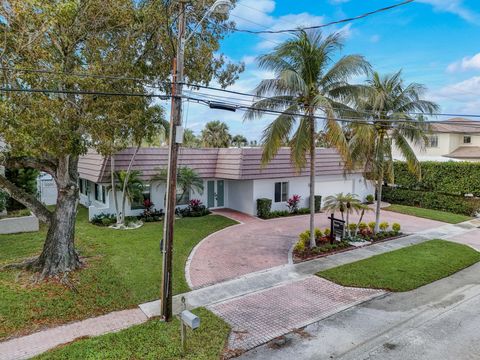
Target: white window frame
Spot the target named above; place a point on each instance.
(284, 188)
(430, 141)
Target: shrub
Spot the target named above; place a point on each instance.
(383, 226)
(303, 211)
(299, 247)
(104, 219)
(432, 200)
(352, 227)
(369, 199)
(292, 203)
(195, 208)
(3, 201)
(362, 226)
(327, 232)
(264, 207)
(318, 203)
(278, 213)
(396, 228)
(305, 237)
(318, 233)
(371, 225)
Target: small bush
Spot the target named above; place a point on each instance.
(104, 219)
(305, 236)
(264, 207)
(292, 204)
(352, 227)
(327, 232)
(383, 226)
(396, 227)
(318, 233)
(362, 226)
(371, 225)
(369, 199)
(299, 247)
(303, 211)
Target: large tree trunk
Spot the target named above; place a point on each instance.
(312, 183)
(59, 255)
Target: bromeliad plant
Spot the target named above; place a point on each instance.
(292, 204)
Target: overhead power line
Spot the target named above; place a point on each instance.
(358, 17)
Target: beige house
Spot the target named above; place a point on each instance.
(456, 139)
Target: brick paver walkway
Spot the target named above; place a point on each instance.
(260, 317)
(28, 346)
(258, 245)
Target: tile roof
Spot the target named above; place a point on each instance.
(465, 152)
(231, 163)
(457, 125)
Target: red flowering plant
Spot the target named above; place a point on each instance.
(148, 204)
(292, 204)
(195, 204)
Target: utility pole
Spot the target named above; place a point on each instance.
(171, 190)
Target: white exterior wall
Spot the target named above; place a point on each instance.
(240, 196)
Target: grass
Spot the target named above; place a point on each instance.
(152, 340)
(429, 214)
(123, 269)
(405, 269)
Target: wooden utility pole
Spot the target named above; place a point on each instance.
(171, 190)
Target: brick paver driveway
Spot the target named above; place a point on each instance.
(262, 244)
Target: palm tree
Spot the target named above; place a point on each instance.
(307, 82)
(345, 203)
(190, 140)
(239, 141)
(216, 135)
(386, 105)
(187, 180)
(132, 187)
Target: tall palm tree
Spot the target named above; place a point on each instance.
(306, 82)
(216, 135)
(190, 140)
(386, 105)
(347, 204)
(187, 180)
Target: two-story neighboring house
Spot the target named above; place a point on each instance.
(456, 139)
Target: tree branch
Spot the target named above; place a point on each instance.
(26, 199)
(29, 162)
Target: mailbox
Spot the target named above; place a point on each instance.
(190, 319)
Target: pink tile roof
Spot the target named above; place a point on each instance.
(232, 163)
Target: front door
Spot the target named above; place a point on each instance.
(215, 193)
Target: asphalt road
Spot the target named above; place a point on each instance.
(440, 321)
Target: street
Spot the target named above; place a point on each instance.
(440, 321)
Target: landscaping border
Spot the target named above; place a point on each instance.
(21, 224)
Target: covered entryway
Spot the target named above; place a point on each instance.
(215, 194)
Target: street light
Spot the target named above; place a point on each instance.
(221, 7)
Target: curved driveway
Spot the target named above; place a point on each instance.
(259, 244)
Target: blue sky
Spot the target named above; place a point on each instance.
(435, 42)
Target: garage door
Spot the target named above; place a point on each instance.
(327, 188)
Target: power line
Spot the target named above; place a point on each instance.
(362, 16)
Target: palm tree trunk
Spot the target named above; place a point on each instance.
(379, 200)
(312, 182)
(125, 182)
(114, 187)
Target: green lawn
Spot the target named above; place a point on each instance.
(152, 340)
(123, 269)
(407, 268)
(429, 214)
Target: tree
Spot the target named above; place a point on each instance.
(385, 105)
(216, 135)
(132, 188)
(190, 140)
(306, 82)
(187, 180)
(239, 141)
(346, 204)
(58, 43)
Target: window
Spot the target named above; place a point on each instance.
(281, 191)
(83, 186)
(138, 203)
(432, 141)
(183, 198)
(467, 139)
(100, 193)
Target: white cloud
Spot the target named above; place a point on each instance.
(462, 97)
(467, 63)
(452, 6)
(253, 14)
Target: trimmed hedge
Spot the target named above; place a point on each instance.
(431, 200)
(318, 203)
(455, 178)
(264, 206)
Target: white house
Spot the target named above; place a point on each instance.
(233, 178)
(455, 139)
